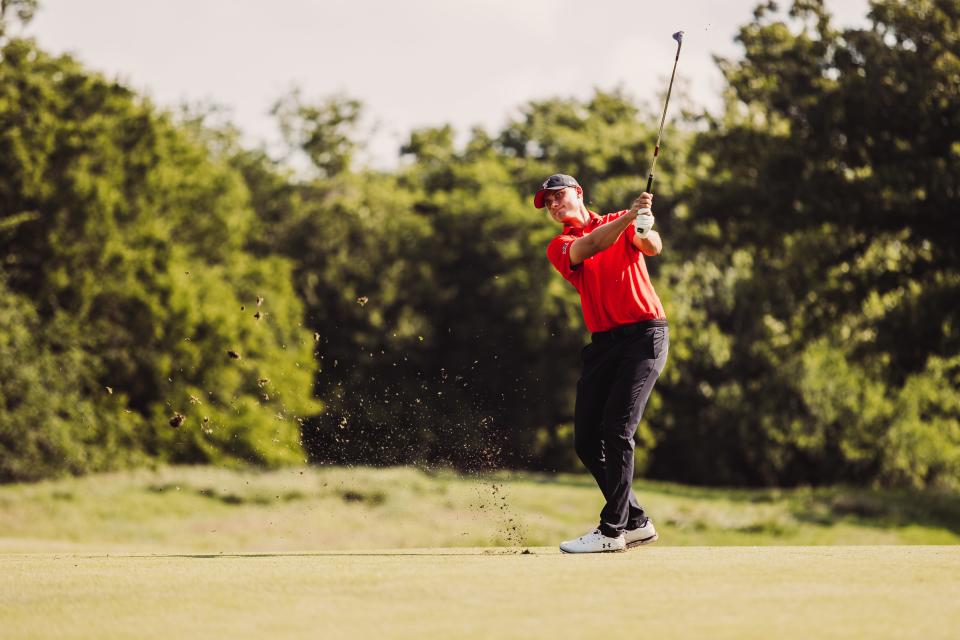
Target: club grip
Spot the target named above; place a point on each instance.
(650, 183)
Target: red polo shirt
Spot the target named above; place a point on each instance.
(614, 285)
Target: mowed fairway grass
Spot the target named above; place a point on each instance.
(666, 592)
(403, 553)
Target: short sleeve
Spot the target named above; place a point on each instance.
(558, 251)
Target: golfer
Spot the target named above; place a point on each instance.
(603, 258)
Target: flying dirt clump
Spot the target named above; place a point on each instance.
(177, 419)
(510, 529)
(234, 354)
(493, 500)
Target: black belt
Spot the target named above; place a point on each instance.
(627, 329)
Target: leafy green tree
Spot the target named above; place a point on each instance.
(54, 419)
(827, 186)
(325, 132)
(128, 233)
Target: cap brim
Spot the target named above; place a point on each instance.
(538, 199)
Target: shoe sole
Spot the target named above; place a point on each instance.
(640, 543)
(583, 553)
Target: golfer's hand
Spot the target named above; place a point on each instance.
(643, 224)
(645, 201)
(644, 221)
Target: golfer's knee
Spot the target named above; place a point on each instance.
(618, 440)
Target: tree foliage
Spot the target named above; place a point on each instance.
(126, 243)
(810, 272)
(828, 193)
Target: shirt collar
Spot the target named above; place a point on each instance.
(591, 223)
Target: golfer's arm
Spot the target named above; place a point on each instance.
(651, 245)
(600, 238)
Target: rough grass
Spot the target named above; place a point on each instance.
(900, 592)
(202, 509)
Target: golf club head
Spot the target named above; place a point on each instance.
(678, 36)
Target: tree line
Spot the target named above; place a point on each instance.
(171, 294)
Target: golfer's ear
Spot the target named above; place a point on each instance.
(580, 191)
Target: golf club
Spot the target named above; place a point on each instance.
(678, 36)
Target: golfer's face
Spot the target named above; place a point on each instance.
(562, 203)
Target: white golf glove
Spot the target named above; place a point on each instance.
(643, 223)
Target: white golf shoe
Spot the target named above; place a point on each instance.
(594, 542)
(641, 535)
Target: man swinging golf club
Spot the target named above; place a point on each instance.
(603, 258)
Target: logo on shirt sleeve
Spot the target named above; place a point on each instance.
(566, 246)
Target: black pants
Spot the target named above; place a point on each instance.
(620, 368)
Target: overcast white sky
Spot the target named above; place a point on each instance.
(412, 62)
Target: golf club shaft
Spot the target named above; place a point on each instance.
(663, 117)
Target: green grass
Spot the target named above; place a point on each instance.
(900, 592)
(400, 553)
(202, 509)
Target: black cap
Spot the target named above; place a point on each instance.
(554, 182)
